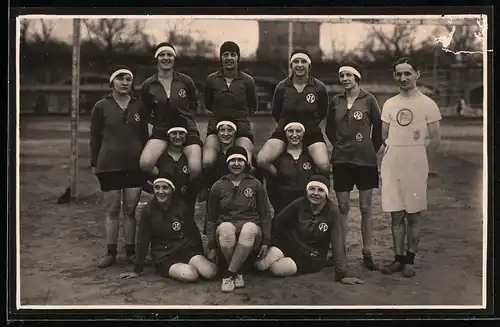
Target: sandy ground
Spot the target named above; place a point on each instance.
(60, 244)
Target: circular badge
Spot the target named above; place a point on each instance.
(416, 135)
(358, 115)
(404, 117)
(176, 226)
(311, 98)
(359, 137)
(137, 118)
(185, 169)
(248, 192)
(184, 189)
(323, 227)
(182, 93)
(307, 165)
(314, 253)
(152, 114)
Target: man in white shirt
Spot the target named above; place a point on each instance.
(407, 119)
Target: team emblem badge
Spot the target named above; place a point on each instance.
(310, 98)
(184, 189)
(182, 93)
(152, 114)
(404, 117)
(359, 137)
(306, 166)
(358, 115)
(416, 135)
(185, 169)
(176, 226)
(248, 192)
(137, 118)
(323, 227)
(314, 253)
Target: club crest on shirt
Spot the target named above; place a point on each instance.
(359, 137)
(416, 135)
(184, 189)
(185, 169)
(307, 165)
(176, 226)
(358, 115)
(152, 114)
(182, 93)
(248, 192)
(314, 253)
(137, 118)
(404, 117)
(310, 98)
(323, 227)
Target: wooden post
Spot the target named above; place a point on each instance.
(75, 95)
(290, 46)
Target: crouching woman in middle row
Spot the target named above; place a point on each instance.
(302, 232)
(167, 224)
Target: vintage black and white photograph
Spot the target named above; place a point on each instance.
(251, 161)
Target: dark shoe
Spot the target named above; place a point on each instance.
(408, 271)
(368, 263)
(107, 261)
(394, 267)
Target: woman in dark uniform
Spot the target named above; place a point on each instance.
(167, 226)
(118, 133)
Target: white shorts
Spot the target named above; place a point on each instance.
(404, 172)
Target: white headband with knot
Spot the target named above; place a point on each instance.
(300, 55)
(351, 70)
(318, 184)
(236, 155)
(165, 48)
(295, 124)
(118, 72)
(226, 122)
(165, 180)
(177, 129)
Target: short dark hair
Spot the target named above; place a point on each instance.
(406, 60)
(355, 66)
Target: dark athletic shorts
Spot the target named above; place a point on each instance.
(247, 266)
(183, 256)
(243, 127)
(345, 176)
(118, 180)
(311, 136)
(160, 133)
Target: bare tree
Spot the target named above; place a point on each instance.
(23, 33)
(114, 35)
(186, 45)
(340, 54)
(45, 33)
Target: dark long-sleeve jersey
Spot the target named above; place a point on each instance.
(356, 133)
(291, 179)
(117, 137)
(309, 107)
(167, 230)
(238, 205)
(238, 100)
(310, 234)
(183, 100)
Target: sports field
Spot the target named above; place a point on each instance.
(60, 244)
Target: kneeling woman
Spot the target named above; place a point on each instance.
(176, 246)
(302, 232)
(238, 222)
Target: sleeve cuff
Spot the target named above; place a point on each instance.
(266, 241)
(339, 275)
(211, 245)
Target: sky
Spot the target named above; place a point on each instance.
(347, 36)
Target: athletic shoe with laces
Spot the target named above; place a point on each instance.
(239, 282)
(394, 267)
(107, 261)
(408, 270)
(227, 284)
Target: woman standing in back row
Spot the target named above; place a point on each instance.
(118, 133)
(354, 128)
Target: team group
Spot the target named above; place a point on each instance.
(170, 161)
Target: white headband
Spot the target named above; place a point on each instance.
(351, 70)
(236, 155)
(295, 124)
(318, 184)
(118, 72)
(165, 48)
(177, 129)
(165, 180)
(226, 122)
(301, 56)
